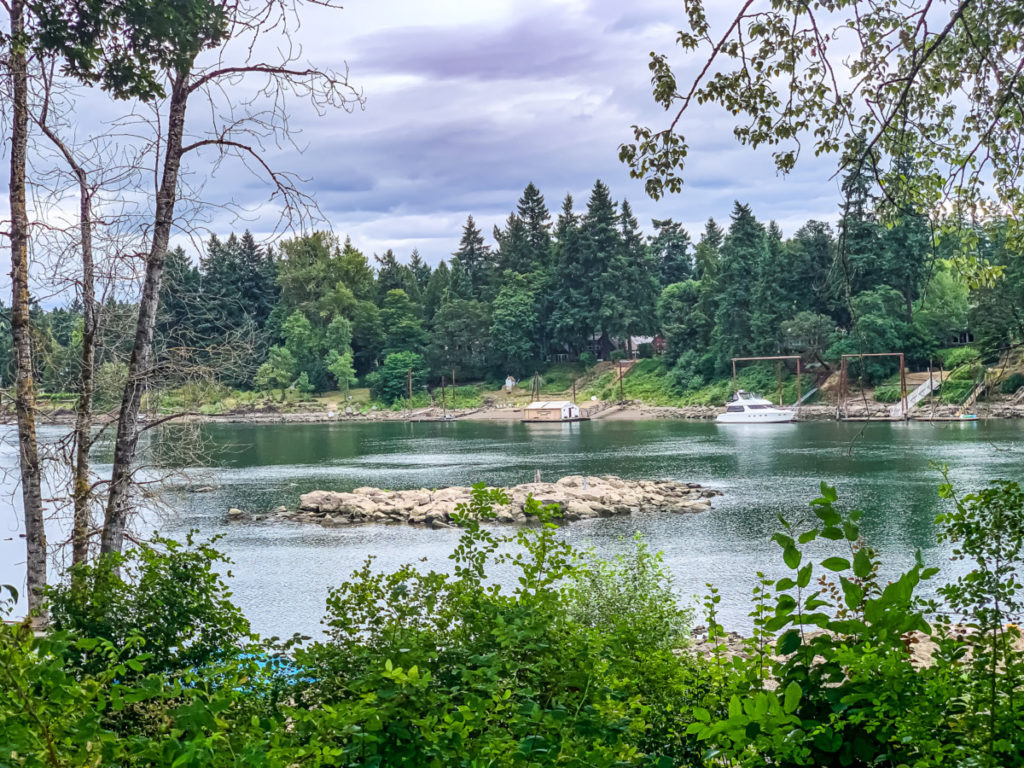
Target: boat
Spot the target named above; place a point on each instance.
(747, 408)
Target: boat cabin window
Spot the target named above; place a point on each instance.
(758, 407)
(734, 409)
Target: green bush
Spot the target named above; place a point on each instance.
(438, 669)
(1012, 383)
(888, 393)
(956, 356)
(645, 350)
(954, 391)
(616, 355)
(580, 663)
(827, 679)
(588, 359)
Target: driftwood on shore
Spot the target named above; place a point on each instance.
(578, 498)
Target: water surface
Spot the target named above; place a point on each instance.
(283, 571)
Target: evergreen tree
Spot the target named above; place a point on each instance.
(706, 252)
(706, 257)
(670, 250)
(743, 251)
(514, 251)
(569, 322)
(997, 317)
(257, 286)
(604, 297)
(860, 247)
(536, 219)
(476, 259)
(460, 285)
(355, 272)
(770, 305)
(391, 275)
(368, 338)
(182, 306)
(907, 244)
(682, 323)
(811, 254)
(635, 277)
(436, 290)
(420, 270)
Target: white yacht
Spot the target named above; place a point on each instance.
(748, 408)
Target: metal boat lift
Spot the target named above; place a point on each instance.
(844, 385)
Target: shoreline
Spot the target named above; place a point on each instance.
(630, 411)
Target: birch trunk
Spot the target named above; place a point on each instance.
(140, 366)
(81, 487)
(21, 331)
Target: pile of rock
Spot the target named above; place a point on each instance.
(578, 498)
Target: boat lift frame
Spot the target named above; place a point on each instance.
(844, 385)
(778, 358)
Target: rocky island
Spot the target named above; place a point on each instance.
(578, 498)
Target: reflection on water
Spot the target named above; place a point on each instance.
(282, 571)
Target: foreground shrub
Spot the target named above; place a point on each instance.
(438, 669)
(829, 679)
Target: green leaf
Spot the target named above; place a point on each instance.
(735, 706)
(792, 557)
(803, 577)
(792, 697)
(828, 492)
(788, 642)
(836, 563)
(862, 564)
(808, 536)
(853, 594)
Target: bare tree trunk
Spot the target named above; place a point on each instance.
(139, 367)
(81, 490)
(25, 396)
(81, 487)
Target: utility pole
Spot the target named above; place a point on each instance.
(622, 397)
(444, 402)
(409, 373)
(453, 390)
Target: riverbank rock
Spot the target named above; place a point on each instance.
(578, 497)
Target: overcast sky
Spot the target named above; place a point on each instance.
(468, 102)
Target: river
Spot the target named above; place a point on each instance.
(283, 571)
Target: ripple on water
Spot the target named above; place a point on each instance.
(282, 572)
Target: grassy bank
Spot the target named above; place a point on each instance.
(651, 382)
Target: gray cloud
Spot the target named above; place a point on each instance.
(466, 105)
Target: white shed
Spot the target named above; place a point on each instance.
(551, 410)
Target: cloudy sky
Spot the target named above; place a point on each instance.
(468, 102)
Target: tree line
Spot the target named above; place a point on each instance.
(317, 314)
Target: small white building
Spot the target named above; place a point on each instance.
(551, 410)
(509, 383)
